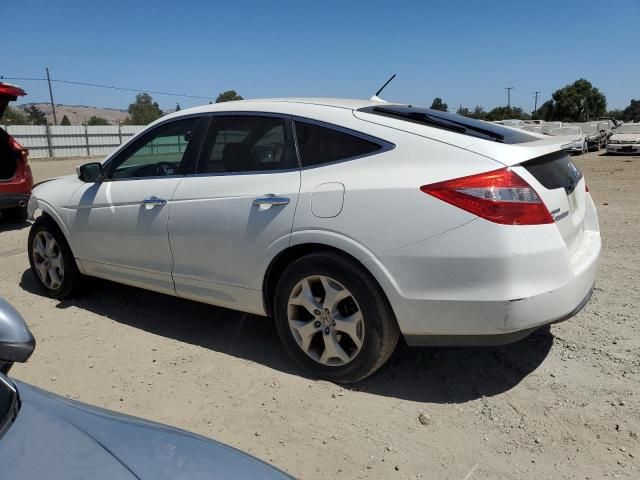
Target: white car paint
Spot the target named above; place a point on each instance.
(625, 139)
(445, 271)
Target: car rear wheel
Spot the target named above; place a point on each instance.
(15, 214)
(333, 318)
(51, 260)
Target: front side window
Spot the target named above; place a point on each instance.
(318, 145)
(157, 154)
(244, 143)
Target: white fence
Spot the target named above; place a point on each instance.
(70, 141)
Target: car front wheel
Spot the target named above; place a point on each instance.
(51, 260)
(333, 318)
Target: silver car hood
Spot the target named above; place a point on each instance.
(56, 438)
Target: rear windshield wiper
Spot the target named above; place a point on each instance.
(438, 122)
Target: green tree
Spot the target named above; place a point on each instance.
(464, 111)
(65, 121)
(438, 104)
(35, 116)
(13, 116)
(143, 111)
(579, 101)
(97, 121)
(545, 111)
(632, 112)
(503, 113)
(477, 113)
(228, 96)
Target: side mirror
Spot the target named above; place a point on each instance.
(16, 341)
(90, 172)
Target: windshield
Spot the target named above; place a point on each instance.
(628, 128)
(565, 131)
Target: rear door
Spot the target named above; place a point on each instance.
(238, 207)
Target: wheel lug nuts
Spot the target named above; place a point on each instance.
(326, 331)
(316, 324)
(317, 312)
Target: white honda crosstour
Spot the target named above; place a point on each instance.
(350, 222)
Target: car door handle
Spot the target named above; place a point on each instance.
(270, 200)
(153, 200)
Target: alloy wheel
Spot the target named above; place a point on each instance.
(325, 320)
(47, 258)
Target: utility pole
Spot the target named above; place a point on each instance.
(53, 105)
(535, 102)
(508, 89)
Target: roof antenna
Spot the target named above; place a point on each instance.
(375, 97)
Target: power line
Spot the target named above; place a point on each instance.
(111, 87)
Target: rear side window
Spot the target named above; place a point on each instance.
(318, 145)
(245, 143)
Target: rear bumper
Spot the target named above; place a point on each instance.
(11, 200)
(482, 280)
(487, 340)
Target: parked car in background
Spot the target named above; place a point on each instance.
(350, 222)
(595, 135)
(625, 139)
(16, 179)
(613, 122)
(548, 126)
(533, 128)
(513, 123)
(576, 139)
(43, 435)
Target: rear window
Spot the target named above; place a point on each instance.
(451, 122)
(318, 145)
(555, 170)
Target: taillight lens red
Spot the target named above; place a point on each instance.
(24, 153)
(500, 196)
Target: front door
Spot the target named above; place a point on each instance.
(239, 207)
(119, 227)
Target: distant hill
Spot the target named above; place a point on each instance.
(78, 113)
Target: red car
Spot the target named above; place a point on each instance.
(16, 179)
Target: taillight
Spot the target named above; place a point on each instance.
(24, 153)
(500, 196)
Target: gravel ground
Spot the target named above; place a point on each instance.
(563, 403)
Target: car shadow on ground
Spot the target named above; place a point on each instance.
(441, 375)
(10, 226)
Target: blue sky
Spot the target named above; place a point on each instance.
(463, 51)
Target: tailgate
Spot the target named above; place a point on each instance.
(561, 186)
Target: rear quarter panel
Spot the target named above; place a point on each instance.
(383, 208)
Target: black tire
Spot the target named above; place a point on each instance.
(380, 326)
(72, 277)
(15, 214)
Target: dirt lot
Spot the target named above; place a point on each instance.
(563, 403)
